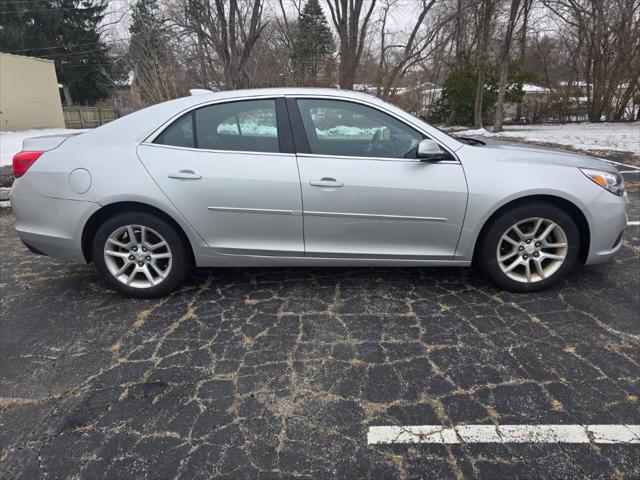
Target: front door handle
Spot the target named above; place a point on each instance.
(326, 182)
(185, 175)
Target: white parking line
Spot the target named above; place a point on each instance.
(504, 434)
(620, 164)
(633, 223)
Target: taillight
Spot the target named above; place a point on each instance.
(22, 161)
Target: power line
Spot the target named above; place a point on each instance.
(57, 47)
(35, 2)
(52, 9)
(61, 55)
(30, 1)
(40, 2)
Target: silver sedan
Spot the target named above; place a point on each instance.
(308, 177)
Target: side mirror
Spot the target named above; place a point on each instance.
(430, 151)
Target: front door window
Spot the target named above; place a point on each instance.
(342, 128)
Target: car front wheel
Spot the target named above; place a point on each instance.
(530, 247)
(140, 254)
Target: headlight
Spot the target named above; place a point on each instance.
(610, 181)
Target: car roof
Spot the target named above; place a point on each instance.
(285, 91)
(141, 124)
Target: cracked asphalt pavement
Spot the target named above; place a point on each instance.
(278, 373)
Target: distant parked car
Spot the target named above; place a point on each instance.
(301, 177)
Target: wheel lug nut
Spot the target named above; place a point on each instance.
(140, 264)
(135, 249)
(536, 254)
(148, 258)
(538, 244)
(144, 249)
(131, 257)
(525, 256)
(529, 240)
(520, 248)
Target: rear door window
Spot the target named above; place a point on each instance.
(247, 125)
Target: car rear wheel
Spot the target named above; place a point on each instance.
(530, 247)
(140, 254)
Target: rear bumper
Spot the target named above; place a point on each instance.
(609, 219)
(50, 226)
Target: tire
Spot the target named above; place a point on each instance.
(154, 269)
(543, 258)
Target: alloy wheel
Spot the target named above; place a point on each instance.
(532, 250)
(137, 256)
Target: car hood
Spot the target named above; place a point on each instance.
(510, 151)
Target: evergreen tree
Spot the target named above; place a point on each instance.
(457, 102)
(66, 31)
(313, 44)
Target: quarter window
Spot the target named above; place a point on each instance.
(336, 127)
(179, 133)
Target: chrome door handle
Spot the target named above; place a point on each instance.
(185, 175)
(326, 182)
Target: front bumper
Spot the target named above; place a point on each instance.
(607, 223)
(50, 226)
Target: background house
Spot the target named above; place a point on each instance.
(29, 94)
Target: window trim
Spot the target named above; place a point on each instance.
(286, 143)
(292, 108)
(306, 150)
(207, 150)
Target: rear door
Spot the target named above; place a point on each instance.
(229, 168)
(364, 192)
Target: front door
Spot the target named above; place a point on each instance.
(365, 193)
(229, 169)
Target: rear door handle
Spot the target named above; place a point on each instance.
(326, 182)
(185, 175)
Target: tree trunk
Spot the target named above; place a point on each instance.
(523, 47)
(347, 69)
(352, 31)
(502, 90)
(68, 100)
(485, 19)
(504, 65)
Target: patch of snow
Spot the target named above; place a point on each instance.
(249, 128)
(344, 131)
(622, 137)
(11, 142)
(477, 132)
(531, 88)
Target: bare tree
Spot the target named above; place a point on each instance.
(156, 71)
(524, 32)
(157, 75)
(606, 49)
(398, 58)
(351, 27)
(484, 28)
(505, 55)
(284, 35)
(228, 31)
